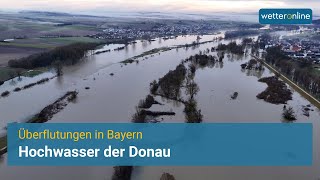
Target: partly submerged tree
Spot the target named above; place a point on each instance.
(57, 65)
(192, 89)
(19, 73)
(167, 176)
(122, 173)
(193, 115)
(288, 114)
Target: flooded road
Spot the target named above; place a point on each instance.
(114, 98)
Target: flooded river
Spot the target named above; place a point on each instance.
(114, 98)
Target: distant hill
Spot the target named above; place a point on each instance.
(56, 14)
(46, 13)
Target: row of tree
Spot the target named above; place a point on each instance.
(69, 54)
(170, 84)
(182, 77)
(300, 71)
(233, 47)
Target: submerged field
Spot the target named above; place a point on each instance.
(110, 91)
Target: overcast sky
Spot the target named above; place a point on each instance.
(186, 6)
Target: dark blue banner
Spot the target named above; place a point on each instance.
(285, 16)
(160, 144)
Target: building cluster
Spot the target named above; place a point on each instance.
(154, 32)
(307, 47)
(297, 48)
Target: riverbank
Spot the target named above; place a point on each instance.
(45, 114)
(27, 86)
(296, 87)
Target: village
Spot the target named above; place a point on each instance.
(155, 30)
(306, 45)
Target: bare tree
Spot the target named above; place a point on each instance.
(19, 73)
(192, 89)
(58, 67)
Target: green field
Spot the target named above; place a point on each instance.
(28, 45)
(48, 43)
(70, 40)
(6, 73)
(32, 73)
(32, 44)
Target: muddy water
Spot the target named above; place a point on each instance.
(120, 93)
(216, 86)
(113, 99)
(30, 101)
(20, 106)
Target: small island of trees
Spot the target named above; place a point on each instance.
(233, 47)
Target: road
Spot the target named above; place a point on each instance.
(291, 83)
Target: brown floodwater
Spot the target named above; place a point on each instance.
(114, 98)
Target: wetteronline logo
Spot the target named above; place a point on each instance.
(285, 16)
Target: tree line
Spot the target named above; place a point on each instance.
(69, 54)
(300, 71)
(233, 47)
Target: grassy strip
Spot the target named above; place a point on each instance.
(162, 49)
(35, 72)
(37, 46)
(70, 40)
(7, 73)
(147, 53)
(48, 43)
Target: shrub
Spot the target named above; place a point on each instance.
(17, 89)
(122, 173)
(139, 116)
(6, 93)
(288, 114)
